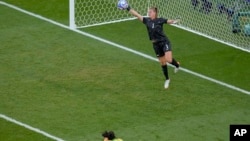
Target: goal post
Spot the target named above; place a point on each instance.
(72, 14)
(225, 21)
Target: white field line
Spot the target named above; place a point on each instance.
(123, 47)
(30, 128)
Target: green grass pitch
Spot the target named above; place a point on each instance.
(75, 87)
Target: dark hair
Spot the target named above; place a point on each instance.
(109, 134)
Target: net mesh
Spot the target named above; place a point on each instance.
(224, 20)
(94, 12)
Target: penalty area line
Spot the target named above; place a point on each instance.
(123, 47)
(30, 128)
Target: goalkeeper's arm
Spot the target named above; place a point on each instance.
(135, 13)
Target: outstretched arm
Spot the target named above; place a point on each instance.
(173, 21)
(135, 13)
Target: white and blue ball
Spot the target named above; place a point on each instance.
(122, 4)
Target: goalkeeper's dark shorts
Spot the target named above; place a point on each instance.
(161, 47)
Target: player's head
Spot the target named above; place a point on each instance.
(152, 12)
(109, 134)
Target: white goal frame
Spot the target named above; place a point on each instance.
(72, 14)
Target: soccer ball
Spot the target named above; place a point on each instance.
(122, 4)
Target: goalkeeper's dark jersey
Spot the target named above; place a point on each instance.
(155, 29)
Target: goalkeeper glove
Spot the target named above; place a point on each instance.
(123, 4)
(128, 8)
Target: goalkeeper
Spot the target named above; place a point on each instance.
(160, 41)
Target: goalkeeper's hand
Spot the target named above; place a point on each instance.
(176, 21)
(173, 21)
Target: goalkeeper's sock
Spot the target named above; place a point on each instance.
(175, 63)
(128, 8)
(165, 71)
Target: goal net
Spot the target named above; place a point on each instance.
(85, 13)
(226, 21)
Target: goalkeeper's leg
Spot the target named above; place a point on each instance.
(169, 58)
